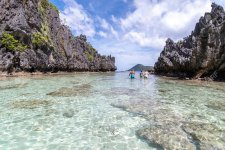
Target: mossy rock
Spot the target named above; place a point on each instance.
(52, 6)
(216, 105)
(89, 56)
(45, 4)
(39, 39)
(10, 43)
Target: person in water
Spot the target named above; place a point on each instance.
(132, 74)
(141, 74)
(146, 74)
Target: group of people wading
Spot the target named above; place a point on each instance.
(143, 74)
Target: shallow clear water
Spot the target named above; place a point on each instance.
(105, 111)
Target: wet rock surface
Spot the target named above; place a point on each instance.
(174, 121)
(55, 49)
(30, 104)
(216, 105)
(84, 90)
(200, 55)
(8, 87)
(205, 135)
(166, 137)
(69, 113)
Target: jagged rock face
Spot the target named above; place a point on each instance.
(61, 50)
(202, 54)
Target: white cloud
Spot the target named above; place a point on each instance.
(154, 21)
(103, 23)
(127, 54)
(102, 34)
(219, 2)
(138, 37)
(142, 39)
(125, 1)
(114, 19)
(141, 35)
(114, 32)
(108, 29)
(78, 20)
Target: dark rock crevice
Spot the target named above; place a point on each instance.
(150, 143)
(193, 139)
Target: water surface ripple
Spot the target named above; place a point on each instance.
(108, 111)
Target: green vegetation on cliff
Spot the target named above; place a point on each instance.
(45, 4)
(89, 56)
(43, 37)
(54, 7)
(38, 39)
(94, 51)
(11, 43)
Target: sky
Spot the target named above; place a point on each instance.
(133, 31)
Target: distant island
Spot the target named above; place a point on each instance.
(140, 67)
(34, 39)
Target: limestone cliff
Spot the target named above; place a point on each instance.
(32, 38)
(200, 55)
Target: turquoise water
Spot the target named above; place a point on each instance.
(110, 111)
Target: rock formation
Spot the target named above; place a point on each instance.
(200, 55)
(32, 38)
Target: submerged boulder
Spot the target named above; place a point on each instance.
(201, 54)
(30, 104)
(69, 113)
(170, 137)
(79, 90)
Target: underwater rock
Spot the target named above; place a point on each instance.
(121, 106)
(51, 111)
(15, 86)
(141, 105)
(123, 90)
(209, 136)
(216, 105)
(115, 91)
(169, 129)
(163, 90)
(30, 104)
(112, 129)
(167, 137)
(84, 90)
(69, 113)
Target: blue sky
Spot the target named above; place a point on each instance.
(134, 31)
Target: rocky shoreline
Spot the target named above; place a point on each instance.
(5, 75)
(200, 55)
(34, 39)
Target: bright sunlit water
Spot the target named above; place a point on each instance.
(106, 110)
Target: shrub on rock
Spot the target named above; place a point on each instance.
(10, 43)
